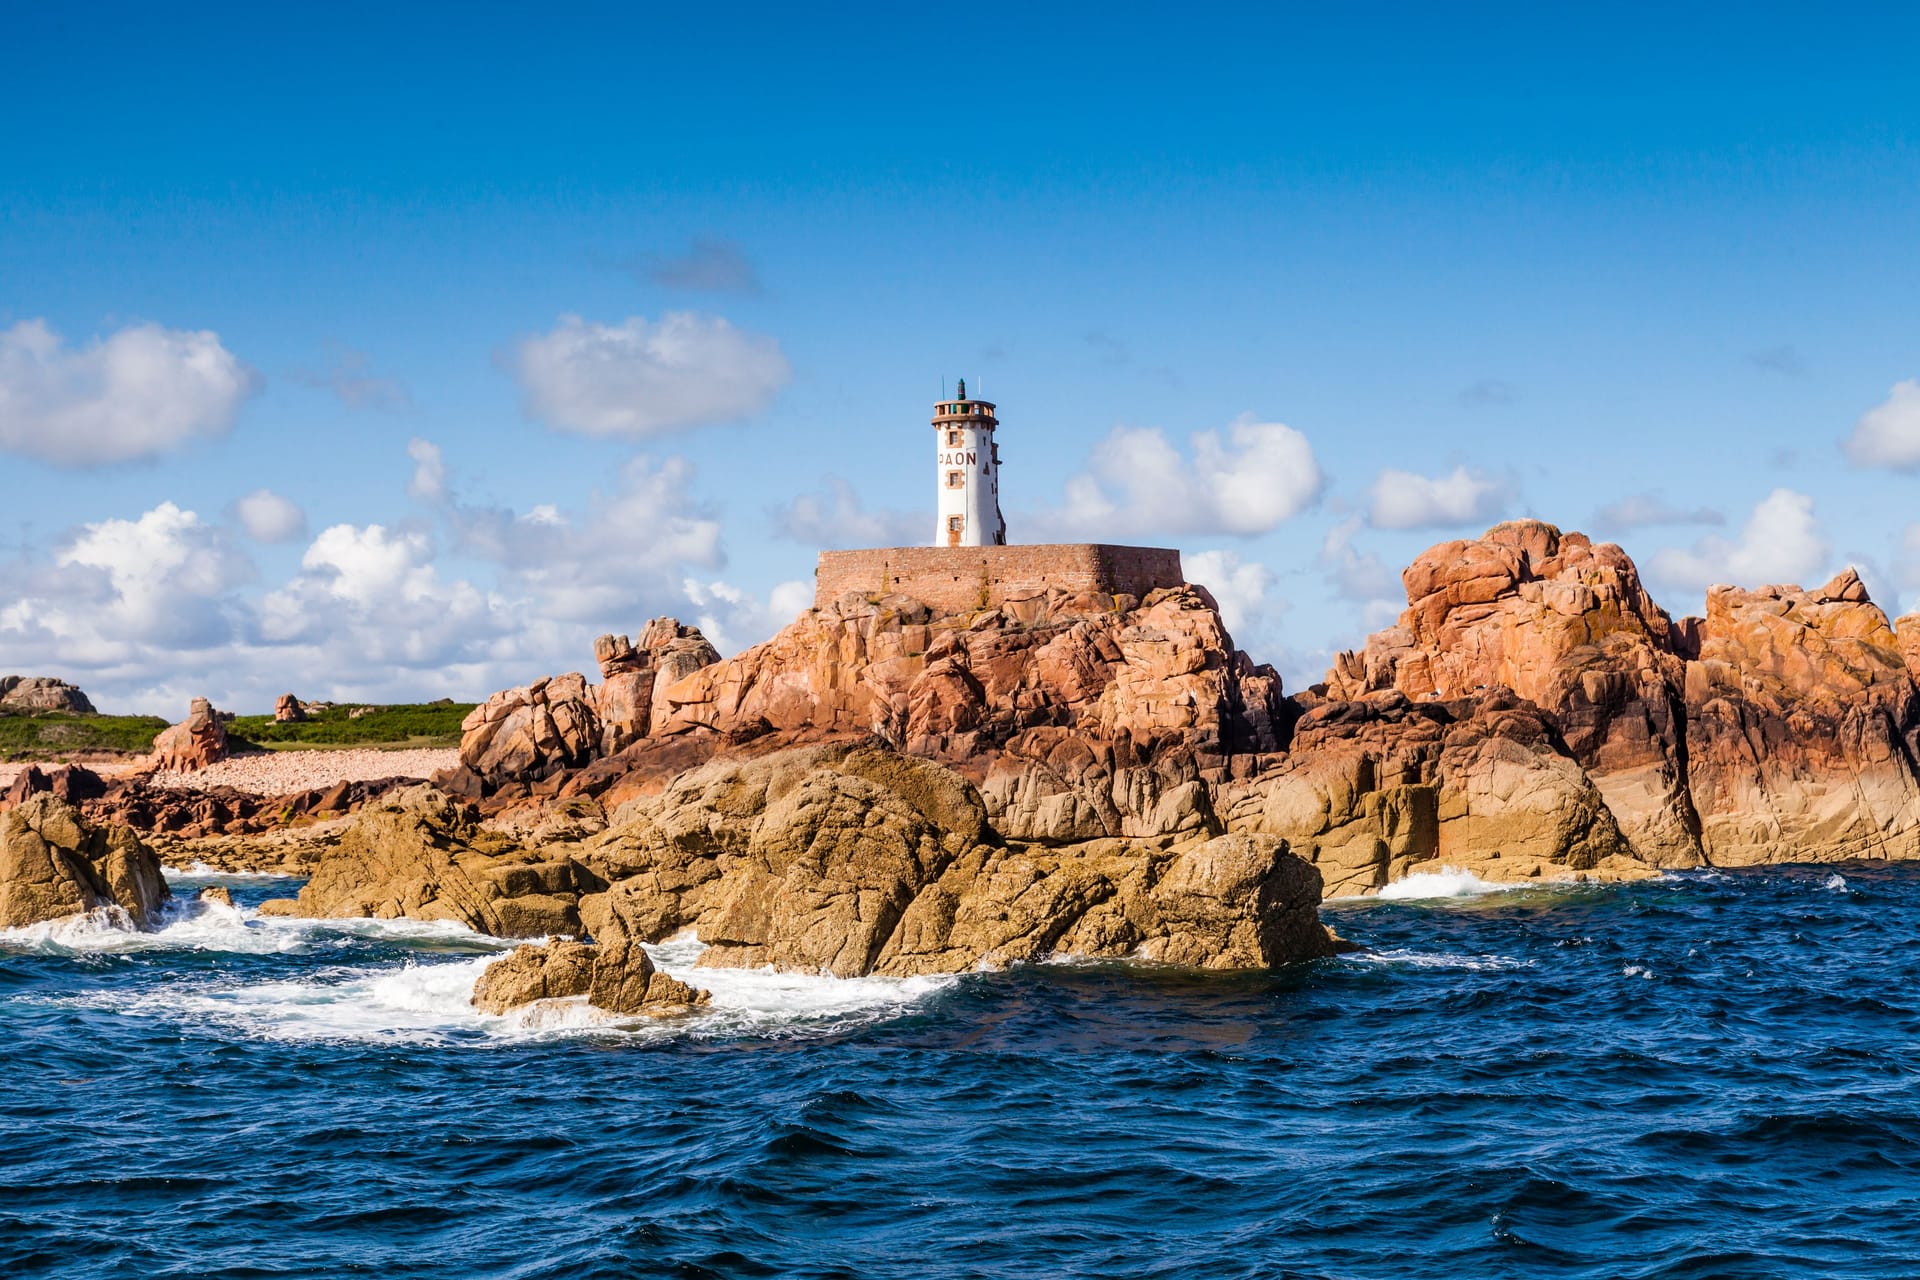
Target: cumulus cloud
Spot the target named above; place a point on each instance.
(120, 589)
(137, 393)
(457, 601)
(1408, 500)
(1650, 510)
(1781, 542)
(836, 518)
(351, 377)
(1888, 435)
(1242, 588)
(709, 265)
(269, 517)
(1356, 575)
(1249, 481)
(641, 378)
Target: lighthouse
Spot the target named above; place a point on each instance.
(968, 476)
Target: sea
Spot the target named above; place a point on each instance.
(1713, 1074)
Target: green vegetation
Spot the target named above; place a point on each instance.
(46, 735)
(422, 724)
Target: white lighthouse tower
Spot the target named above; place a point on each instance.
(968, 477)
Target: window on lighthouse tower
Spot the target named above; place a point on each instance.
(956, 479)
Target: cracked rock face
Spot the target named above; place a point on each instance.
(845, 860)
(55, 864)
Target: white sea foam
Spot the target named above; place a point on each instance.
(1437, 960)
(201, 871)
(195, 925)
(431, 1002)
(1448, 882)
(1637, 971)
(1835, 883)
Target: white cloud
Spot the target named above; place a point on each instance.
(1242, 588)
(429, 480)
(269, 517)
(1648, 510)
(120, 589)
(148, 612)
(1137, 483)
(1357, 575)
(136, 394)
(1407, 500)
(642, 378)
(1888, 435)
(1781, 542)
(836, 518)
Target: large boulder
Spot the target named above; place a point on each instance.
(418, 853)
(617, 978)
(288, 709)
(531, 733)
(42, 693)
(193, 744)
(55, 864)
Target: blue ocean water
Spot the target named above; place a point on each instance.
(1713, 1074)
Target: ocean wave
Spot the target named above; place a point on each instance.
(1448, 882)
(431, 1002)
(192, 924)
(1438, 960)
(201, 871)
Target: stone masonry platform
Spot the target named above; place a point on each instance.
(959, 579)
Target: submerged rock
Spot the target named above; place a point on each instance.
(55, 864)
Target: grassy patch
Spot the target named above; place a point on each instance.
(40, 735)
(421, 724)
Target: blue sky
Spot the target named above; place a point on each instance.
(532, 325)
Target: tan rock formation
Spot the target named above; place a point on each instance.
(616, 979)
(55, 864)
(194, 743)
(840, 859)
(288, 709)
(856, 860)
(418, 853)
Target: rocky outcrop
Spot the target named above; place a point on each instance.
(527, 735)
(43, 693)
(1782, 726)
(55, 864)
(194, 743)
(288, 709)
(840, 859)
(1381, 787)
(617, 979)
(857, 860)
(1083, 716)
(1801, 714)
(418, 853)
(1566, 625)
